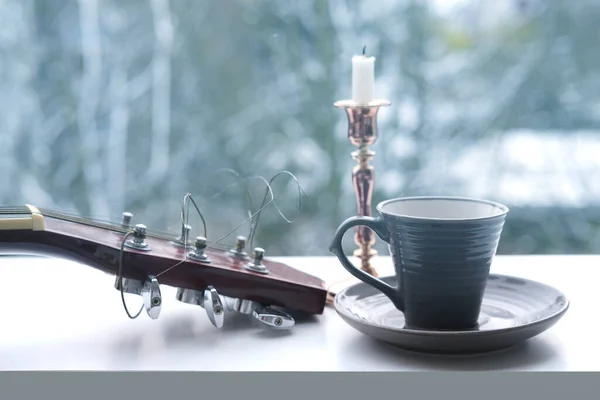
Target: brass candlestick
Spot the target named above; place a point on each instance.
(362, 133)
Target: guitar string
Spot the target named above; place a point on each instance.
(168, 236)
(186, 258)
(17, 210)
(110, 225)
(269, 190)
(121, 255)
(241, 180)
(185, 220)
(300, 193)
(264, 205)
(105, 224)
(185, 217)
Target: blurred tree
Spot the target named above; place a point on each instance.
(118, 105)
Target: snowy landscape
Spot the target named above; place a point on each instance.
(112, 106)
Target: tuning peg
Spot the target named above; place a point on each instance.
(256, 264)
(138, 241)
(198, 254)
(190, 296)
(273, 318)
(268, 316)
(239, 250)
(148, 289)
(214, 306)
(126, 219)
(184, 237)
(152, 297)
(210, 300)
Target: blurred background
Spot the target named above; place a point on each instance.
(111, 106)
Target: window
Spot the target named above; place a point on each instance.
(126, 106)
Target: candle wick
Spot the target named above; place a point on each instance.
(364, 50)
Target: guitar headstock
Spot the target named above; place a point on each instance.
(218, 279)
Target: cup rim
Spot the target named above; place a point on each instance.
(504, 209)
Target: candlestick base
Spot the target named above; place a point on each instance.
(335, 287)
(364, 253)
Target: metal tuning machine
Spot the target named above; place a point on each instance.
(217, 305)
(266, 315)
(273, 317)
(256, 264)
(239, 251)
(198, 253)
(138, 242)
(214, 307)
(126, 219)
(184, 237)
(148, 289)
(209, 299)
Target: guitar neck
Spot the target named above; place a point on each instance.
(29, 230)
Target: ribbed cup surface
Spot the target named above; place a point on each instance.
(442, 267)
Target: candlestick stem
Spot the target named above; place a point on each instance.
(363, 179)
(362, 133)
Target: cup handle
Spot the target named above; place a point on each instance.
(378, 226)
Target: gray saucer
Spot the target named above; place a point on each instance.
(513, 310)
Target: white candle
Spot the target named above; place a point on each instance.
(363, 78)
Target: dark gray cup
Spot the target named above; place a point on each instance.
(442, 249)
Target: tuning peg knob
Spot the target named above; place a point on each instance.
(126, 219)
(210, 300)
(190, 296)
(214, 306)
(198, 254)
(217, 305)
(139, 239)
(256, 264)
(273, 318)
(239, 250)
(148, 289)
(152, 297)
